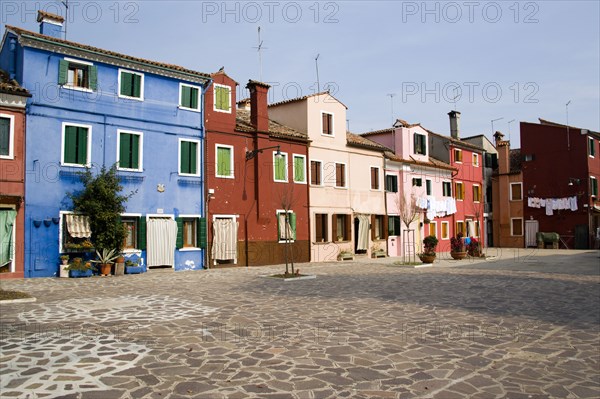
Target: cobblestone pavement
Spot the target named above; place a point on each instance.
(360, 329)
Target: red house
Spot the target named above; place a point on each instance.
(256, 173)
(12, 176)
(561, 163)
(467, 181)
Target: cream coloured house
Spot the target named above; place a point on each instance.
(346, 194)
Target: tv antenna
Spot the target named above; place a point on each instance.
(495, 120)
(455, 97)
(317, 67)
(66, 4)
(568, 138)
(391, 95)
(509, 122)
(259, 49)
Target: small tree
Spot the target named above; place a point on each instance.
(102, 202)
(286, 201)
(408, 211)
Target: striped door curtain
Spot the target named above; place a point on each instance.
(78, 226)
(162, 237)
(224, 239)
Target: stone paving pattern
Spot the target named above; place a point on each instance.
(361, 329)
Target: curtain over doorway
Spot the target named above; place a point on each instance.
(162, 237)
(362, 238)
(224, 245)
(7, 221)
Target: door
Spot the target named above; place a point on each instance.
(531, 229)
(161, 236)
(581, 236)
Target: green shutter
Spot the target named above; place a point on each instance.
(93, 76)
(82, 137)
(298, 169)
(222, 98)
(179, 241)
(137, 85)
(126, 83)
(63, 71)
(124, 150)
(193, 158)
(185, 96)
(292, 219)
(223, 161)
(185, 157)
(4, 136)
(135, 151)
(415, 143)
(70, 150)
(201, 237)
(193, 98)
(278, 227)
(280, 168)
(141, 233)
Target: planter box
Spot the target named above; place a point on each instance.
(133, 269)
(80, 273)
(119, 269)
(378, 254)
(345, 256)
(63, 272)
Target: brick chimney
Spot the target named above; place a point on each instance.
(503, 148)
(259, 114)
(454, 124)
(50, 24)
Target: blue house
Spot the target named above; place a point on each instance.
(91, 108)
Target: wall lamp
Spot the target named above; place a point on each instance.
(573, 180)
(254, 153)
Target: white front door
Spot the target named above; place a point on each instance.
(531, 229)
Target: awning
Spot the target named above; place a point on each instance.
(78, 226)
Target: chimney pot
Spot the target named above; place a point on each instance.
(259, 113)
(454, 124)
(50, 24)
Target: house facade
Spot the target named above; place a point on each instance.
(508, 219)
(12, 176)
(561, 164)
(257, 180)
(93, 108)
(467, 181)
(347, 202)
(415, 182)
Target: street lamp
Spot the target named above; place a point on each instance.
(254, 153)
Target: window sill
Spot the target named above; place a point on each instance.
(321, 242)
(132, 251)
(75, 165)
(283, 241)
(222, 110)
(280, 181)
(327, 135)
(188, 175)
(224, 177)
(341, 188)
(189, 109)
(299, 182)
(130, 170)
(341, 242)
(189, 249)
(7, 157)
(77, 88)
(131, 98)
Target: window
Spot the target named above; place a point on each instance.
(224, 161)
(191, 232)
(476, 193)
(447, 189)
(130, 224)
(327, 124)
(340, 175)
(340, 227)
(491, 160)
(457, 155)
(459, 189)
(475, 159)
(418, 182)
(516, 191)
(445, 230)
(593, 186)
(527, 158)
(76, 145)
(378, 228)
(374, 178)
(321, 227)
(7, 136)
(428, 186)
(222, 98)
(280, 167)
(74, 232)
(476, 226)
(188, 157)
(316, 172)
(75, 74)
(391, 183)
(189, 97)
(420, 146)
(460, 227)
(516, 227)
(286, 226)
(129, 150)
(299, 168)
(394, 225)
(131, 84)
(591, 147)
(433, 229)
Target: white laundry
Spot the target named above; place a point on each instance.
(573, 201)
(549, 211)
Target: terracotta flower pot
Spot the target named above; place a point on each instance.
(458, 255)
(426, 258)
(105, 269)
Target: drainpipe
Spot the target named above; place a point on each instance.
(385, 205)
(204, 149)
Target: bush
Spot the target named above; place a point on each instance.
(429, 244)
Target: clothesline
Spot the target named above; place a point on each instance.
(437, 208)
(552, 204)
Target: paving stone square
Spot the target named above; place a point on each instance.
(521, 324)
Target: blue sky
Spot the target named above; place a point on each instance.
(504, 59)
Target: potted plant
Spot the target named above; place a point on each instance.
(457, 247)
(474, 248)
(106, 259)
(133, 267)
(377, 252)
(78, 268)
(428, 254)
(64, 267)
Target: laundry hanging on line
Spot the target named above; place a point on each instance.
(553, 204)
